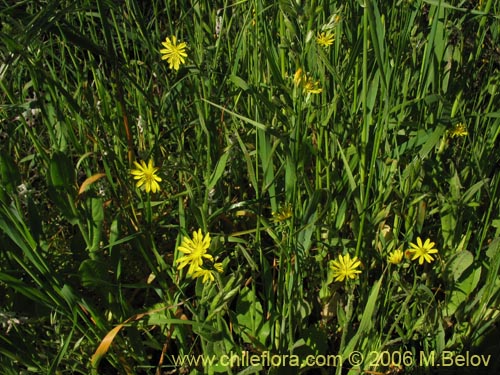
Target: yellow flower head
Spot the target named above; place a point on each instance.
(325, 39)
(208, 275)
(174, 53)
(218, 267)
(345, 268)
(395, 257)
(312, 87)
(300, 79)
(195, 250)
(459, 130)
(284, 213)
(146, 176)
(422, 251)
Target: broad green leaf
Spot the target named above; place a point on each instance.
(239, 82)
(458, 264)
(93, 273)
(250, 317)
(431, 142)
(462, 290)
(61, 172)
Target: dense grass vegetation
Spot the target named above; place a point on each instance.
(287, 150)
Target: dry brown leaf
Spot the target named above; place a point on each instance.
(103, 347)
(89, 181)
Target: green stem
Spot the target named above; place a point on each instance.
(345, 328)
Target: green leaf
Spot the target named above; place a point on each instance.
(377, 32)
(432, 141)
(10, 177)
(448, 223)
(239, 82)
(319, 199)
(469, 194)
(462, 290)
(219, 170)
(62, 185)
(457, 265)
(366, 322)
(96, 222)
(257, 124)
(250, 317)
(61, 172)
(34, 219)
(21, 287)
(350, 176)
(93, 273)
(493, 251)
(208, 332)
(314, 341)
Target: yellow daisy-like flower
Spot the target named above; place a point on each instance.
(345, 267)
(312, 87)
(325, 39)
(208, 275)
(195, 250)
(284, 213)
(422, 251)
(174, 53)
(395, 257)
(309, 86)
(146, 176)
(459, 130)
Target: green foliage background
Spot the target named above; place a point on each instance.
(366, 166)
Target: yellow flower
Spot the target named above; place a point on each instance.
(312, 87)
(297, 77)
(146, 175)
(422, 251)
(309, 86)
(395, 257)
(195, 250)
(218, 267)
(208, 275)
(345, 267)
(174, 53)
(284, 213)
(459, 130)
(325, 39)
